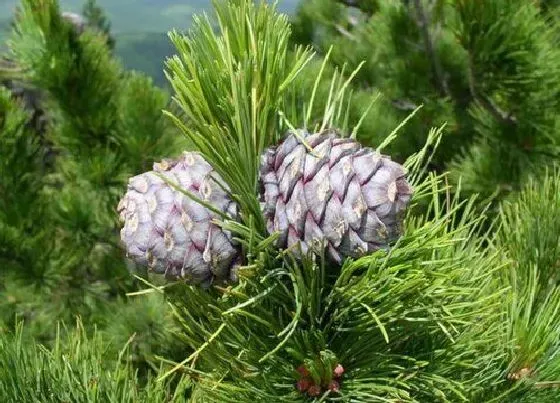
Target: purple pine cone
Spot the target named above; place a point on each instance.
(170, 232)
(340, 195)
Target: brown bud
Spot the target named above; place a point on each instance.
(303, 384)
(334, 386)
(314, 390)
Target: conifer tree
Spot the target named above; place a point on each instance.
(96, 17)
(60, 251)
(489, 73)
(462, 306)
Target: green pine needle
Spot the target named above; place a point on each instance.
(230, 88)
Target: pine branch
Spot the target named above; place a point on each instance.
(500, 115)
(231, 87)
(530, 225)
(77, 368)
(383, 314)
(423, 22)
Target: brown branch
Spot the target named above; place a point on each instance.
(495, 110)
(504, 117)
(423, 23)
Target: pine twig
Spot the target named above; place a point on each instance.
(344, 32)
(547, 384)
(503, 116)
(423, 23)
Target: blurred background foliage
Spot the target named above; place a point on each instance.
(139, 27)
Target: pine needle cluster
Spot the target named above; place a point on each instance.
(78, 368)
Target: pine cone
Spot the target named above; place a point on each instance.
(170, 232)
(340, 195)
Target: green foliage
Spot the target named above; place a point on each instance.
(25, 246)
(518, 75)
(230, 89)
(19, 184)
(390, 46)
(464, 306)
(531, 227)
(78, 368)
(530, 235)
(60, 249)
(146, 326)
(490, 73)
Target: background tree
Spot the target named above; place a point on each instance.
(96, 17)
(60, 250)
(490, 73)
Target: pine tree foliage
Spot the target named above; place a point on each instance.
(429, 320)
(420, 323)
(20, 184)
(60, 252)
(389, 45)
(513, 76)
(530, 235)
(490, 73)
(78, 368)
(96, 17)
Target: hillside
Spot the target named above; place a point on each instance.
(140, 27)
(145, 51)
